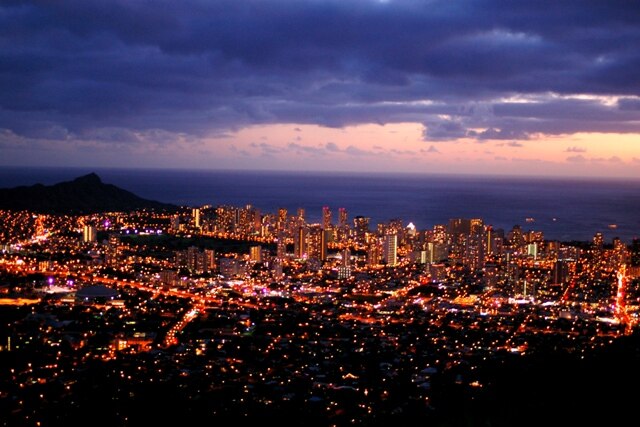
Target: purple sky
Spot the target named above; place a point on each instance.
(477, 86)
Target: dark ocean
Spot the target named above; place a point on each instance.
(563, 208)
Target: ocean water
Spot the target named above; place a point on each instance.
(564, 209)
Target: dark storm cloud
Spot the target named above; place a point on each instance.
(629, 104)
(87, 68)
(492, 133)
(444, 130)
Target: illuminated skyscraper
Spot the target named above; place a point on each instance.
(346, 257)
(410, 230)
(489, 248)
(391, 249)
(476, 226)
(342, 218)
(516, 238)
(195, 214)
(439, 234)
(620, 254)
(195, 260)
(598, 242)
(493, 241)
(560, 272)
(112, 250)
(436, 252)
(249, 220)
(342, 232)
(255, 253)
(300, 243)
(395, 227)
(282, 219)
(532, 250)
(317, 242)
(175, 223)
(168, 277)
(326, 218)
(89, 234)
(210, 259)
(281, 249)
(459, 226)
(374, 250)
(361, 226)
(226, 219)
(474, 254)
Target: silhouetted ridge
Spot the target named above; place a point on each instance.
(85, 194)
(91, 178)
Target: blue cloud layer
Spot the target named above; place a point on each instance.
(81, 68)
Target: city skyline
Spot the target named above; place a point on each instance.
(370, 86)
(225, 313)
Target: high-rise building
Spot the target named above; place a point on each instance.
(391, 249)
(439, 234)
(342, 233)
(195, 260)
(300, 243)
(255, 253)
(168, 277)
(474, 251)
(346, 257)
(361, 226)
(534, 237)
(489, 247)
(419, 257)
(282, 219)
(494, 241)
(476, 226)
(175, 223)
(516, 237)
(230, 267)
(195, 214)
(112, 250)
(210, 259)
(267, 225)
(317, 242)
(437, 272)
(459, 226)
(436, 252)
(226, 219)
(342, 218)
(560, 273)
(395, 227)
(598, 242)
(410, 230)
(249, 220)
(326, 218)
(327, 236)
(374, 251)
(281, 248)
(89, 234)
(620, 254)
(344, 272)
(192, 258)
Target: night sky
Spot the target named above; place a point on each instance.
(477, 86)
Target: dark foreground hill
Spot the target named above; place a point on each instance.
(85, 194)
